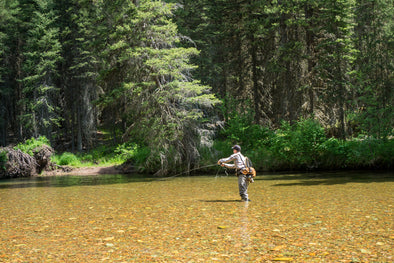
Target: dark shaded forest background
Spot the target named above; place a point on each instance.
(183, 80)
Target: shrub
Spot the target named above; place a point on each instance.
(240, 130)
(102, 154)
(370, 153)
(3, 159)
(386, 153)
(297, 146)
(126, 151)
(140, 156)
(261, 158)
(332, 154)
(29, 145)
(239, 127)
(67, 159)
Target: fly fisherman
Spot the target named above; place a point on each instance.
(239, 164)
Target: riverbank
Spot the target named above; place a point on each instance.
(303, 146)
(114, 169)
(290, 148)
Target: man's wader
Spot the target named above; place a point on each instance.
(243, 182)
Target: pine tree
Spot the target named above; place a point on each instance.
(336, 54)
(375, 67)
(83, 70)
(79, 21)
(163, 103)
(6, 17)
(41, 54)
(10, 88)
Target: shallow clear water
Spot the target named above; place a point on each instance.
(116, 218)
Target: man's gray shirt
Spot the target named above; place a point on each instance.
(238, 158)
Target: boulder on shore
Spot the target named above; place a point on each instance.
(43, 155)
(20, 164)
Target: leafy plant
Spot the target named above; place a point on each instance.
(141, 156)
(29, 145)
(370, 153)
(239, 127)
(67, 159)
(126, 151)
(3, 159)
(297, 145)
(333, 153)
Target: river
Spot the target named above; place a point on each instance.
(315, 217)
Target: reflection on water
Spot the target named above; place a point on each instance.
(66, 181)
(136, 219)
(245, 235)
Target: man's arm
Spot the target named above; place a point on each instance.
(229, 165)
(226, 160)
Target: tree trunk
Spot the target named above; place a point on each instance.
(79, 127)
(255, 79)
(309, 45)
(19, 106)
(341, 96)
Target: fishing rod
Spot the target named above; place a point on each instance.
(188, 171)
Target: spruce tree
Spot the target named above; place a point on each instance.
(41, 53)
(5, 91)
(374, 36)
(10, 61)
(163, 103)
(336, 54)
(84, 46)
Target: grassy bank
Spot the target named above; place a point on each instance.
(104, 155)
(331, 154)
(301, 146)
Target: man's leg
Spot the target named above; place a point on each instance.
(243, 186)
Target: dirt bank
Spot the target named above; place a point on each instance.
(84, 171)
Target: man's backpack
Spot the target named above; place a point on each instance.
(248, 170)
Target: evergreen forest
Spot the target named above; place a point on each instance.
(172, 85)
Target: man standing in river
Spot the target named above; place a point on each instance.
(239, 164)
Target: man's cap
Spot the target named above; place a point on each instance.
(236, 147)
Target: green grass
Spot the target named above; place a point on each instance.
(29, 145)
(304, 146)
(3, 159)
(299, 146)
(103, 156)
(66, 158)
